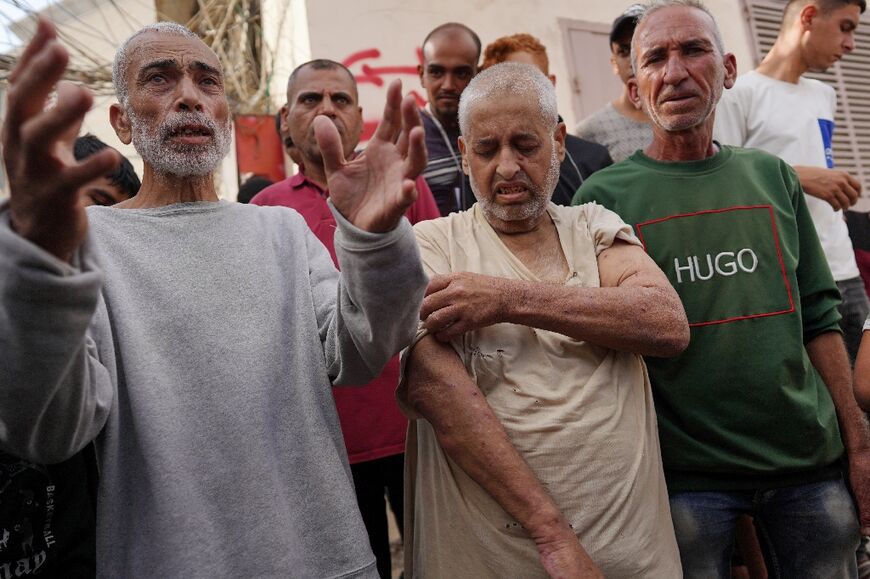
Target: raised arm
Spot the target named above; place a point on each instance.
(635, 310)
(440, 390)
(382, 279)
(54, 392)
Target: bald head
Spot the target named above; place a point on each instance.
(509, 79)
(452, 29)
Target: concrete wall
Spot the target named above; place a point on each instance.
(385, 35)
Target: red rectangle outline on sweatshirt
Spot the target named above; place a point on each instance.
(778, 256)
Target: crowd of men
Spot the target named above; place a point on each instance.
(591, 355)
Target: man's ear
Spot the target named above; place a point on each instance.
(730, 62)
(121, 123)
(807, 15)
(464, 153)
(285, 125)
(633, 95)
(559, 137)
(420, 73)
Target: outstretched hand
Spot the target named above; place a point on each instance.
(44, 178)
(375, 189)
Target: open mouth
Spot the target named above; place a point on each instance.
(191, 134)
(512, 192)
(191, 131)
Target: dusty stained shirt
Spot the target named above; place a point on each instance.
(580, 415)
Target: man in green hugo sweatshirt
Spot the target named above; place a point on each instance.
(757, 415)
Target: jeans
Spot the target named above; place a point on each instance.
(807, 531)
(854, 310)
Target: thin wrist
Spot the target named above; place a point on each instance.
(511, 300)
(547, 524)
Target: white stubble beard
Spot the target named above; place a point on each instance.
(185, 161)
(536, 204)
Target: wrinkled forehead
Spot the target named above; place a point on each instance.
(329, 80)
(154, 47)
(673, 25)
(517, 114)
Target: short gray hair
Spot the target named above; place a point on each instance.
(507, 79)
(654, 6)
(122, 57)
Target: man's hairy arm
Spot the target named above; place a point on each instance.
(838, 188)
(828, 354)
(636, 309)
(440, 389)
(862, 373)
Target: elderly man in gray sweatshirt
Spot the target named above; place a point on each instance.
(196, 340)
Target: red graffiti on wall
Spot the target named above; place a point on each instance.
(366, 73)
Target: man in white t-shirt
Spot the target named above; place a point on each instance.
(776, 109)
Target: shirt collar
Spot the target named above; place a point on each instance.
(300, 180)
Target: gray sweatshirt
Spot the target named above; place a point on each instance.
(197, 343)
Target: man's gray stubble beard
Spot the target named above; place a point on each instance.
(535, 206)
(166, 159)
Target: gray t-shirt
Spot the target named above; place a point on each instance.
(197, 342)
(622, 136)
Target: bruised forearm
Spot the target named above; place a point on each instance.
(647, 320)
(440, 389)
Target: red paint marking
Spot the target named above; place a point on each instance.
(410, 70)
(361, 55)
(375, 75)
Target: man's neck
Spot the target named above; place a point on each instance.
(450, 123)
(784, 62)
(315, 172)
(623, 105)
(159, 190)
(692, 144)
(536, 245)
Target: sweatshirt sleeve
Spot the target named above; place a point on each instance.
(819, 294)
(55, 394)
(379, 291)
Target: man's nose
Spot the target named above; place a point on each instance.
(327, 107)
(849, 44)
(675, 70)
(449, 82)
(507, 164)
(188, 96)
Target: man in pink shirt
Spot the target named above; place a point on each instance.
(372, 425)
